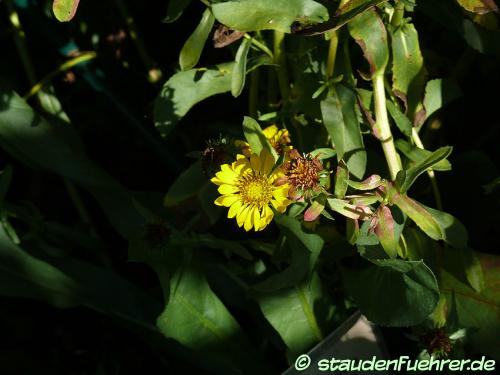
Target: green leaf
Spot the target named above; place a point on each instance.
(256, 138)
(315, 209)
(349, 210)
(402, 122)
(393, 292)
(175, 9)
(341, 122)
(370, 183)
(408, 70)
(479, 6)
(341, 178)
(477, 311)
(66, 282)
(240, 68)
(305, 249)
(418, 155)
(5, 180)
(470, 263)
(406, 178)
(64, 10)
(184, 89)
(454, 232)
(418, 213)
(56, 148)
(195, 317)
(438, 93)
(368, 30)
(384, 229)
(254, 15)
(191, 51)
(341, 17)
(295, 307)
(187, 185)
(323, 153)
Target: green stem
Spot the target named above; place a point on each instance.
(259, 45)
(382, 126)
(332, 54)
(280, 60)
(154, 74)
(399, 12)
(253, 96)
(432, 176)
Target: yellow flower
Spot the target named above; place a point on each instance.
(278, 138)
(248, 187)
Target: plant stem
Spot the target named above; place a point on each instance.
(154, 74)
(332, 54)
(382, 126)
(280, 60)
(399, 12)
(432, 176)
(253, 96)
(259, 45)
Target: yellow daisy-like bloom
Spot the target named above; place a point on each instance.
(278, 138)
(248, 187)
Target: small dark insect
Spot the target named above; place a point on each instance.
(224, 36)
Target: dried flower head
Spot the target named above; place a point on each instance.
(302, 173)
(218, 151)
(437, 343)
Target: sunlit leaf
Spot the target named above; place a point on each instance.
(191, 51)
(65, 10)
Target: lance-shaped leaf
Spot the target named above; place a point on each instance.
(341, 177)
(195, 317)
(315, 209)
(369, 32)
(253, 15)
(359, 212)
(256, 138)
(305, 249)
(477, 311)
(393, 292)
(191, 51)
(454, 232)
(406, 178)
(402, 122)
(341, 122)
(175, 9)
(383, 227)
(438, 93)
(417, 213)
(65, 10)
(479, 6)
(295, 307)
(418, 155)
(184, 89)
(408, 70)
(370, 183)
(340, 18)
(323, 153)
(187, 185)
(240, 68)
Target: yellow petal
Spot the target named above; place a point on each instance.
(234, 209)
(267, 216)
(270, 131)
(227, 178)
(256, 219)
(249, 218)
(227, 200)
(242, 215)
(217, 181)
(228, 189)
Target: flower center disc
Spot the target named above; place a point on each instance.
(256, 190)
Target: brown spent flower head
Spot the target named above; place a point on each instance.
(437, 343)
(303, 174)
(216, 153)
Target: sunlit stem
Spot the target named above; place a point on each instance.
(332, 54)
(259, 45)
(280, 60)
(399, 12)
(432, 176)
(382, 126)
